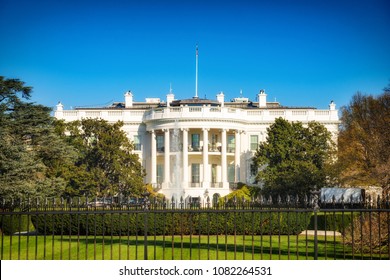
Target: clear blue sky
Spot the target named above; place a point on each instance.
(303, 53)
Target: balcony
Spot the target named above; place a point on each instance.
(216, 185)
(195, 185)
(195, 148)
(215, 148)
(110, 115)
(200, 112)
(237, 114)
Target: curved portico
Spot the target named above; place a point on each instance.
(187, 156)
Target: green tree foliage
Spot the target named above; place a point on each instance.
(106, 164)
(364, 141)
(10, 90)
(241, 194)
(295, 158)
(31, 153)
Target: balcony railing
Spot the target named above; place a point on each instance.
(241, 114)
(216, 185)
(195, 185)
(212, 149)
(215, 148)
(195, 148)
(200, 113)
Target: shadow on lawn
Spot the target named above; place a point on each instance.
(297, 249)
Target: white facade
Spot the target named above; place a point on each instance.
(198, 147)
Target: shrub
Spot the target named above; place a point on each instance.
(369, 232)
(331, 221)
(11, 224)
(173, 223)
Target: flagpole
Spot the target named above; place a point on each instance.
(196, 73)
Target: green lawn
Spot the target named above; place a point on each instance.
(176, 248)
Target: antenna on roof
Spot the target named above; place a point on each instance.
(196, 73)
(170, 87)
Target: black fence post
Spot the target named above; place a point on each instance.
(146, 205)
(316, 208)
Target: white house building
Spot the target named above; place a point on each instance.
(199, 147)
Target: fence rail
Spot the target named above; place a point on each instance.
(191, 228)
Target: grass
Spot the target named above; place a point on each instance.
(218, 247)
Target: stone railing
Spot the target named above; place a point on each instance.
(205, 112)
(109, 115)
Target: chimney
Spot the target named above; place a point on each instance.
(221, 98)
(59, 112)
(59, 107)
(128, 99)
(170, 98)
(262, 98)
(332, 106)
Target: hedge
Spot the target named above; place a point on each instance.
(10, 224)
(332, 221)
(173, 223)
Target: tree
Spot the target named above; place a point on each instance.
(10, 89)
(295, 158)
(364, 141)
(30, 152)
(242, 193)
(106, 163)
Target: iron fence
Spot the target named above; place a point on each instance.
(194, 229)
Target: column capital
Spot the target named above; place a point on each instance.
(205, 129)
(184, 129)
(152, 131)
(165, 129)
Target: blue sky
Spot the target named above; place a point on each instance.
(303, 53)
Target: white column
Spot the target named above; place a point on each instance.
(223, 158)
(153, 156)
(166, 158)
(237, 154)
(206, 173)
(185, 157)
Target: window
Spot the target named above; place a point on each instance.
(160, 142)
(231, 173)
(214, 141)
(254, 142)
(160, 173)
(195, 141)
(213, 173)
(137, 143)
(231, 143)
(195, 176)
